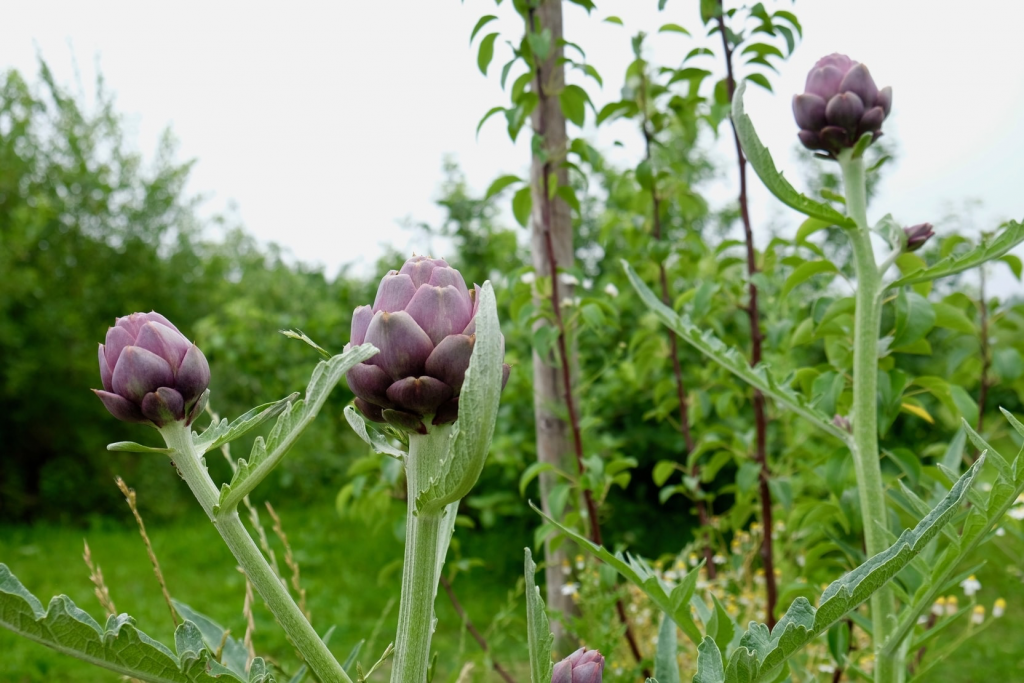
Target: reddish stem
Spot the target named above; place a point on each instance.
(760, 421)
(684, 409)
(563, 351)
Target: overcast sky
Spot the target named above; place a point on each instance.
(326, 123)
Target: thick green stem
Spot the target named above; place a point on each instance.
(865, 402)
(422, 569)
(273, 592)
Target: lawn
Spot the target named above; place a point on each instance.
(342, 563)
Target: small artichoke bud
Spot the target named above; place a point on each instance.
(423, 320)
(582, 666)
(151, 373)
(917, 235)
(840, 103)
(843, 423)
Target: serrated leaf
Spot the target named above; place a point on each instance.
(222, 432)
(478, 412)
(290, 425)
(802, 623)
(675, 604)
(666, 662)
(117, 646)
(732, 359)
(233, 654)
(371, 435)
(989, 249)
(132, 447)
(538, 631)
(761, 160)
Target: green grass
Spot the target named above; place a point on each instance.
(342, 563)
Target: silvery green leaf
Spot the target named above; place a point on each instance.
(233, 654)
(666, 661)
(994, 456)
(710, 668)
(989, 249)
(371, 435)
(132, 447)
(984, 515)
(892, 231)
(674, 602)
(222, 432)
(301, 336)
(538, 632)
(732, 359)
(478, 412)
(290, 425)
(761, 160)
(118, 646)
(802, 622)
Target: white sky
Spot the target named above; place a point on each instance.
(326, 123)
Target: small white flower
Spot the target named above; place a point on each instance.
(588, 283)
(999, 608)
(1000, 531)
(826, 668)
(939, 607)
(528, 278)
(978, 615)
(971, 585)
(952, 605)
(1017, 511)
(581, 563)
(611, 290)
(568, 279)
(718, 559)
(571, 301)
(570, 588)
(801, 560)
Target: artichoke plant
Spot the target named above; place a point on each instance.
(150, 372)
(840, 103)
(582, 666)
(423, 320)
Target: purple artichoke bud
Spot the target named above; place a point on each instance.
(423, 320)
(917, 235)
(840, 103)
(150, 372)
(582, 666)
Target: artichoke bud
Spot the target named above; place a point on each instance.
(582, 666)
(917, 235)
(151, 373)
(423, 321)
(840, 103)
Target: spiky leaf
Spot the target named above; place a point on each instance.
(290, 425)
(989, 249)
(538, 632)
(118, 645)
(222, 432)
(761, 160)
(733, 360)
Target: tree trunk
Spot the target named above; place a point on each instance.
(551, 242)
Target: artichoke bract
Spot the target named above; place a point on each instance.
(840, 103)
(423, 321)
(582, 666)
(917, 235)
(150, 372)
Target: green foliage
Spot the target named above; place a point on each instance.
(289, 426)
(118, 645)
(540, 639)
